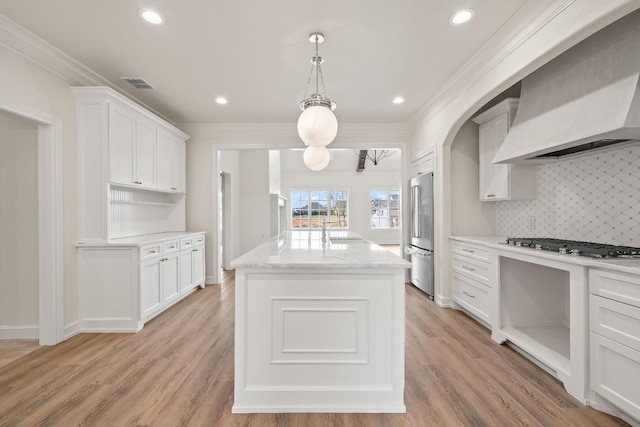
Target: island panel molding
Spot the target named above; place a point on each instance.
(319, 326)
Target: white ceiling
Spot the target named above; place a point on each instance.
(256, 53)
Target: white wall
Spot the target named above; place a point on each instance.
(25, 83)
(255, 220)
(18, 222)
(341, 174)
(469, 216)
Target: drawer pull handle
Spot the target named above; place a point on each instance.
(491, 195)
(173, 188)
(137, 182)
(468, 268)
(468, 250)
(468, 294)
(172, 247)
(152, 252)
(194, 250)
(164, 259)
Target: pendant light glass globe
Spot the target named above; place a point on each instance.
(317, 126)
(316, 158)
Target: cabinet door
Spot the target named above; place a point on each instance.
(186, 281)
(486, 153)
(145, 155)
(150, 293)
(500, 172)
(122, 128)
(170, 277)
(179, 163)
(165, 153)
(198, 270)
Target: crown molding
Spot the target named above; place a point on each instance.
(22, 41)
(499, 47)
(286, 133)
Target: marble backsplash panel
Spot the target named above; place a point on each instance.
(593, 198)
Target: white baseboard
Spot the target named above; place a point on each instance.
(209, 281)
(444, 302)
(19, 332)
(71, 329)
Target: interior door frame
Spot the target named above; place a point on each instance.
(216, 148)
(50, 237)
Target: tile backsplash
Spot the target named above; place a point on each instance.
(593, 198)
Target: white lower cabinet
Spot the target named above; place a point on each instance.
(615, 340)
(122, 287)
(150, 292)
(471, 285)
(170, 278)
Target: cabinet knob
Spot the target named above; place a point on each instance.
(468, 294)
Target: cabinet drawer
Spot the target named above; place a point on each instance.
(615, 373)
(472, 296)
(170, 246)
(474, 269)
(618, 286)
(150, 251)
(470, 250)
(198, 241)
(186, 243)
(615, 320)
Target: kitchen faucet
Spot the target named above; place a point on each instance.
(324, 229)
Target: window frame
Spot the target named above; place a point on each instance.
(388, 191)
(329, 191)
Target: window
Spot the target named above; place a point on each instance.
(385, 208)
(310, 207)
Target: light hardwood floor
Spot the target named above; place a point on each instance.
(178, 371)
(11, 350)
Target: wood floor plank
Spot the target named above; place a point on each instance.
(178, 371)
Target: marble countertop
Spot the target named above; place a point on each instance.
(625, 265)
(304, 249)
(141, 240)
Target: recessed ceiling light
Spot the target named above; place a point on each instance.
(221, 100)
(398, 100)
(151, 16)
(462, 16)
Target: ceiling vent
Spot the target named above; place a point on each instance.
(138, 82)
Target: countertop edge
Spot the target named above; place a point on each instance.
(142, 240)
(631, 266)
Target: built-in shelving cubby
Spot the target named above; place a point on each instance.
(134, 211)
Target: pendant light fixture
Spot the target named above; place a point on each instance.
(317, 125)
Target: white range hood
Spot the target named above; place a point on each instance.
(585, 99)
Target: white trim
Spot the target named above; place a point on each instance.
(234, 141)
(71, 329)
(50, 238)
(19, 332)
(39, 51)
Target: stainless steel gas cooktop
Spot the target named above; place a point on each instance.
(576, 248)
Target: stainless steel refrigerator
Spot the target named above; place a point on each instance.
(421, 249)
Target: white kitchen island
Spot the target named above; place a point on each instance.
(319, 326)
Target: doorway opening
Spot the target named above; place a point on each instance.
(45, 247)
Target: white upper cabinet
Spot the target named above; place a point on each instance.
(125, 149)
(171, 161)
(145, 153)
(122, 131)
(132, 148)
(501, 181)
